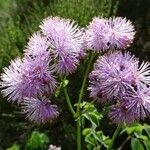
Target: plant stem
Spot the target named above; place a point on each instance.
(68, 101)
(78, 135)
(84, 81)
(79, 101)
(114, 137)
(121, 146)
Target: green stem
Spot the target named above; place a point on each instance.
(79, 101)
(68, 101)
(78, 135)
(121, 146)
(84, 81)
(114, 137)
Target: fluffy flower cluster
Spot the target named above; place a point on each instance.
(119, 77)
(66, 43)
(39, 110)
(27, 78)
(56, 48)
(103, 34)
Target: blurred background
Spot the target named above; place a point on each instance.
(19, 19)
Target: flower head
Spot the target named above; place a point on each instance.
(97, 93)
(39, 111)
(12, 81)
(139, 100)
(121, 32)
(103, 34)
(27, 78)
(37, 46)
(117, 72)
(133, 106)
(96, 35)
(66, 43)
(122, 113)
(37, 77)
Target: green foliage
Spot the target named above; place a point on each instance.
(14, 147)
(136, 144)
(90, 113)
(79, 10)
(62, 84)
(94, 138)
(37, 141)
(139, 136)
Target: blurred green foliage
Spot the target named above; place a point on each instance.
(37, 141)
(14, 147)
(19, 19)
(138, 135)
(94, 138)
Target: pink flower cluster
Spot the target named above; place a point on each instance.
(30, 81)
(56, 49)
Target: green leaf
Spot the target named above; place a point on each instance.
(147, 144)
(140, 136)
(86, 131)
(37, 141)
(90, 112)
(89, 146)
(147, 129)
(57, 92)
(104, 140)
(65, 82)
(89, 139)
(138, 128)
(136, 144)
(14, 147)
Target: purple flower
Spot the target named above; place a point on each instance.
(37, 46)
(121, 32)
(139, 100)
(133, 106)
(12, 81)
(97, 93)
(96, 35)
(103, 34)
(29, 78)
(122, 113)
(142, 73)
(66, 41)
(37, 77)
(39, 111)
(117, 72)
